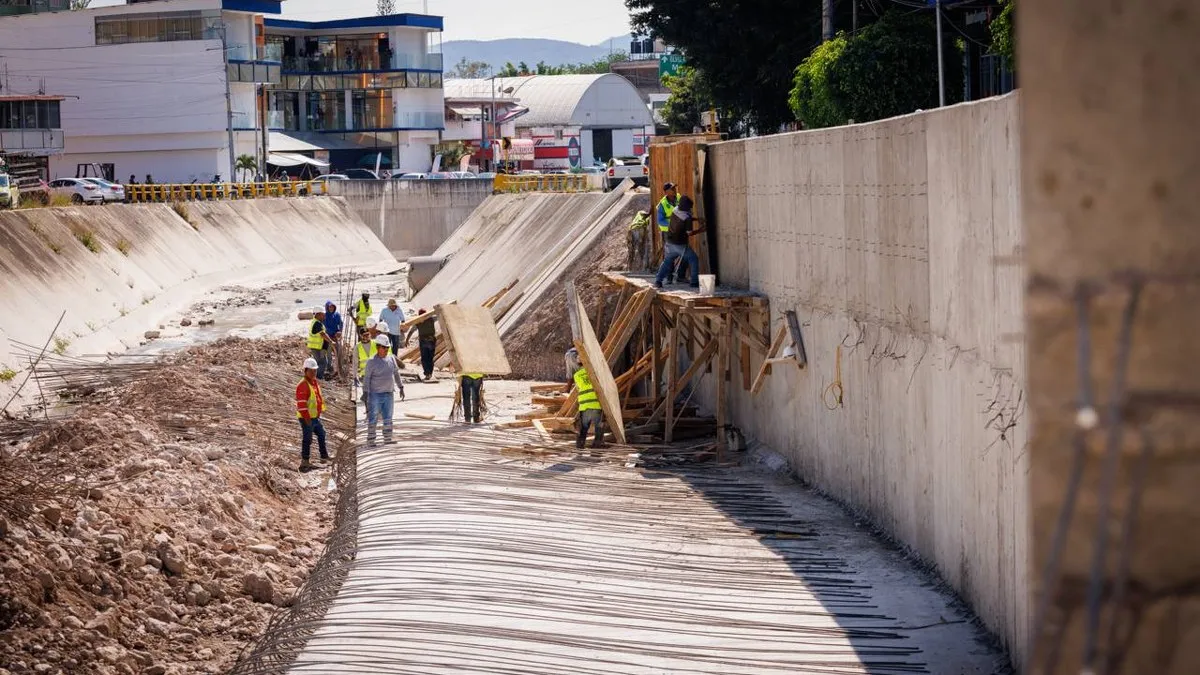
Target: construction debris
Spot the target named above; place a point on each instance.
(158, 526)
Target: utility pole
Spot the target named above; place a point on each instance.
(228, 96)
(827, 20)
(941, 57)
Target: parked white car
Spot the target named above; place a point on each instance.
(112, 192)
(410, 176)
(79, 190)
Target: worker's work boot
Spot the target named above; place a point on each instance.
(305, 466)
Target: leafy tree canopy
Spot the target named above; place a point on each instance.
(1004, 35)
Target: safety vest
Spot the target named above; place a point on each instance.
(639, 222)
(588, 400)
(316, 340)
(365, 351)
(668, 208)
(362, 312)
(315, 403)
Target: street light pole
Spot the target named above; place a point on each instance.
(941, 57)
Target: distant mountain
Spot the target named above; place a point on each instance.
(530, 50)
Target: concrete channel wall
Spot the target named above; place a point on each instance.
(147, 263)
(894, 242)
(413, 217)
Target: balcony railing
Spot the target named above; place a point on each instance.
(242, 120)
(360, 62)
(33, 141)
(420, 120)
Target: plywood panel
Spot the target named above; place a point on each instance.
(474, 340)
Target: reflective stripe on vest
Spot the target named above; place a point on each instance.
(588, 400)
(315, 403)
(316, 340)
(668, 208)
(362, 312)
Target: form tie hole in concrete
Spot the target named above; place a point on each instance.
(1086, 418)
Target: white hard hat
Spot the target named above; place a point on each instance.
(318, 310)
(382, 341)
(310, 364)
(371, 323)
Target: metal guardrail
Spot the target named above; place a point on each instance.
(144, 193)
(571, 182)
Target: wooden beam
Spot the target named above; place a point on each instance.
(797, 338)
(592, 355)
(548, 388)
(491, 302)
(655, 336)
(672, 376)
(744, 365)
(724, 338)
(765, 370)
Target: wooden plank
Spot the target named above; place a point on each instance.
(601, 375)
(744, 365)
(555, 401)
(474, 340)
(655, 336)
(421, 318)
(541, 428)
(722, 395)
(672, 377)
(673, 391)
(749, 336)
(549, 388)
(420, 416)
(491, 302)
(765, 370)
(535, 415)
(517, 424)
(797, 338)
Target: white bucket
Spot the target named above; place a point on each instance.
(708, 284)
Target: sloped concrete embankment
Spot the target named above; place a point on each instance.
(118, 270)
(896, 244)
(413, 217)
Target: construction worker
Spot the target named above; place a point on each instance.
(590, 414)
(471, 385)
(317, 339)
(393, 316)
(333, 328)
(309, 406)
(427, 340)
(677, 244)
(637, 242)
(366, 349)
(381, 378)
(362, 310)
(664, 211)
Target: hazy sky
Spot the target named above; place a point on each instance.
(585, 21)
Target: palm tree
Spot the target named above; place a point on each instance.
(246, 164)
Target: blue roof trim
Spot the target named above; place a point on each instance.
(362, 72)
(350, 131)
(256, 6)
(265, 62)
(409, 20)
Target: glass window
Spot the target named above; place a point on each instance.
(435, 80)
(164, 27)
(414, 80)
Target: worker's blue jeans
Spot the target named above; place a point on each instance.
(380, 406)
(675, 252)
(470, 398)
(307, 431)
(427, 349)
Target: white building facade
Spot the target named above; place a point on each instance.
(178, 89)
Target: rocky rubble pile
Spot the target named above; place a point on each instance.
(189, 527)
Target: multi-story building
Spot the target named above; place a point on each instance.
(353, 88)
(178, 89)
(30, 134)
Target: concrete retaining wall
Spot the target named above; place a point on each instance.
(893, 243)
(111, 298)
(413, 217)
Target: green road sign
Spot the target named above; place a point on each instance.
(669, 64)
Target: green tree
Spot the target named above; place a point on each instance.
(509, 70)
(245, 164)
(523, 69)
(814, 98)
(747, 49)
(1004, 40)
(887, 69)
(80, 4)
(469, 70)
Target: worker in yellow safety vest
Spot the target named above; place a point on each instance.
(471, 385)
(366, 349)
(316, 342)
(362, 310)
(309, 406)
(666, 207)
(590, 414)
(637, 242)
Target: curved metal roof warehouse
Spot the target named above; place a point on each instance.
(604, 101)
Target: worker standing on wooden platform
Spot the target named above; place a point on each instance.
(663, 212)
(427, 340)
(590, 413)
(309, 406)
(381, 379)
(471, 385)
(677, 244)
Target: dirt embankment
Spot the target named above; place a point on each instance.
(535, 348)
(157, 528)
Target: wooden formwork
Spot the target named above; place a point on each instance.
(680, 160)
